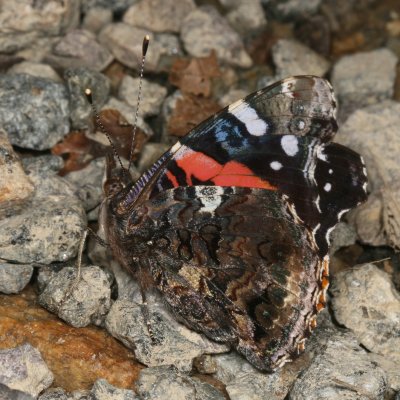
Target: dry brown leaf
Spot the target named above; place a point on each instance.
(78, 150)
(189, 112)
(194, 76)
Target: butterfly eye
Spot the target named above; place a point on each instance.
(112, 186)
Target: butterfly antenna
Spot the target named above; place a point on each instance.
(145, 46)
(89, 97)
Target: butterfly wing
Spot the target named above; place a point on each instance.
(258, 289)
(232, 224)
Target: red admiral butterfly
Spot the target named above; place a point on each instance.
(232, 224)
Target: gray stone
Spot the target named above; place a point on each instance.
(342, 370)
(44, 231)
(14, 277)
(165, 383)
(168, 18)
(55, 394)
(9, 394)
(366, 301)
(81, 301)
(125, 42)
(34, 111)
(96, 18)
(245, 17)
(102, 390)
(24, 21)
(79, 79)
(129, 113)
(215, 33)
(289, 9)
(22, 368)
(88, 182)
(169, 45)
(46, 164)
(342, 236)
(231, 96)
(390, 367)
(167, 109)
(368, 131)
(151, 152)
(35, 69)
(114, 5)
(38, 50)
(293, 58)
(362, 79)
(150, 103)
(79, 48)
(15, 186)
(170, 342)
(46, 228)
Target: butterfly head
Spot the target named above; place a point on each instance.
(116, 177)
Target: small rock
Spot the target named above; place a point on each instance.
(55, 394)
(362, 79)
(23, 22)
(167, 18)
(343, 370)
(34, 111)
(79, 79)
(150, 103)
(88, 182)
(245, 16)
(232, 96)
(128, 113)
(366, 301)
(343, 235)
(116, 6)
(14, 277)
(125, 42)
(46, 164)
(96, 18)
(81, 302)
(293, 58)
(390, 367)
(215, 33)
(22, 368)
(205, 364)
(102, 390)
(165, 383)
(289, 9)
(15, 186)
(9, 394)
(35, 69)
(79, 48)
(368, 131)
(150, 154)
(46, 228)
(171, 343)
(38, 50)
(167, 109)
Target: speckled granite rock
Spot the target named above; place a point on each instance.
(23, 369)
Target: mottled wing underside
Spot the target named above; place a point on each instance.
(232, 224)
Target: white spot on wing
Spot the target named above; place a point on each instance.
(176, 146)
(210, 203)
(248, 115)
(327, 187)
(330, 171)
(290, 145)
(275, 165)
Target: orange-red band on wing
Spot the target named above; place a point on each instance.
(204, 168)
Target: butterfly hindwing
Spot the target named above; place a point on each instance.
(253, 288)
